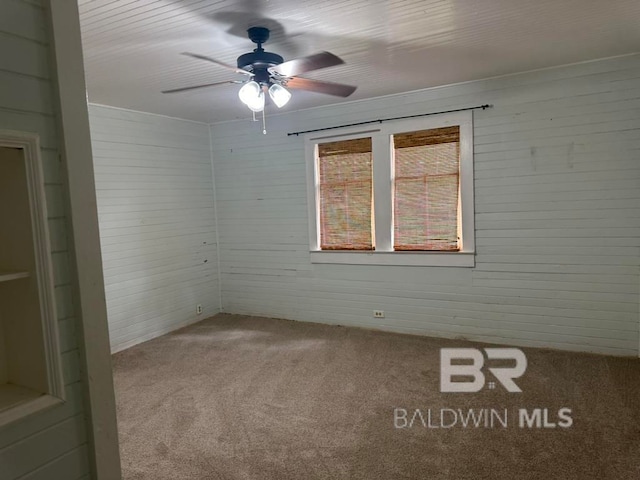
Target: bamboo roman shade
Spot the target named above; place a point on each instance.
(426, 184)
(345, 191)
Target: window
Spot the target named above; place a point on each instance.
(425, 189)
(346, 195)
(400, 194)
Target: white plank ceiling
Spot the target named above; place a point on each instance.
(132, 47)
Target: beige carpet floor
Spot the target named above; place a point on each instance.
(237, 397)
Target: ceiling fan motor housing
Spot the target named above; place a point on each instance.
(258, 61)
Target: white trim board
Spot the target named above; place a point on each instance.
(85, 240)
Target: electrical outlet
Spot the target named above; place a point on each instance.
(378, 313)
(198, 309)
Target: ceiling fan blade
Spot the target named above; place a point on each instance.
(221, 64)
(184, 89)
(337, 89)
(306, 64)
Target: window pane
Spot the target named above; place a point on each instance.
(345, 178)
(426, 165)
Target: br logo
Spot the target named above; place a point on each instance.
(472, 368)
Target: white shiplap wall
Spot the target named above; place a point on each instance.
(52, 444)
(557, 185)
(157, 222)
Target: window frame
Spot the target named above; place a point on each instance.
(382, 151)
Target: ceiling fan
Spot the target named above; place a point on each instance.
(268, 72)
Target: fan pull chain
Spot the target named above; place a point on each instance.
(264, 123)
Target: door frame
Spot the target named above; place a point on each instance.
(90, 305)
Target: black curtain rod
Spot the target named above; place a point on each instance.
(483, 107)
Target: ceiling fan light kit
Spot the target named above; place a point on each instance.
(252, 96)
(268, 72)
(279, 95)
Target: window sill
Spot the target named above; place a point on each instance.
(404, 259)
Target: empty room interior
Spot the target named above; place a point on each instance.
(279, 240)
